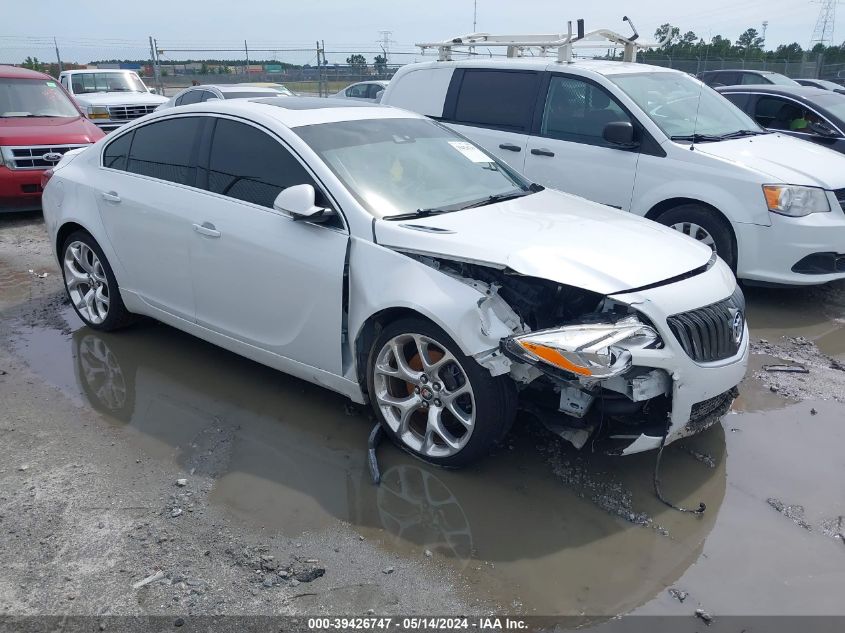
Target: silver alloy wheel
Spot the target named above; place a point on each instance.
(696, 232)
(424, 395)
(86, 282)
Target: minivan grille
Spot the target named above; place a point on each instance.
(128, 112)
(840, 197)
(33, 157)
(709, 334)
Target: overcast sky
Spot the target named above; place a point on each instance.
(93, 28)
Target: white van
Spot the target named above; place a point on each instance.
(652, 141)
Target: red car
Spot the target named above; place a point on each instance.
(38, 123)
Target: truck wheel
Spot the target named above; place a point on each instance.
(705, 225)
(432, 400)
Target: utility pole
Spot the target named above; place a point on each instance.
(246, 56)
(320, 52)
(58, 57)
(156, 67)
(474, 15)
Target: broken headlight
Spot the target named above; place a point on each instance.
(591, 350)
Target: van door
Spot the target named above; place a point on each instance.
(569, 152)
(494, 108)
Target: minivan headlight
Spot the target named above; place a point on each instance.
(795, 201)
(98, 112)
(591, 350)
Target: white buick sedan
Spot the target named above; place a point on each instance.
(377, 253)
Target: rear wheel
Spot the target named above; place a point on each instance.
(91, 285)
(705, 225)
(431, 399)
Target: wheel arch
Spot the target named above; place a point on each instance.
(66, 229)
(672, 203)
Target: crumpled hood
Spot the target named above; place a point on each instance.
(784, 159)
(556, 236)
(119, 98)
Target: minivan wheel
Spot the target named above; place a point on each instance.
(705, 225)
(431, 399)
(91, 285)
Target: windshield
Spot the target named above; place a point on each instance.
(85, 83)
(34, 98)
(401, 166)
(780, 80)
(682, 106)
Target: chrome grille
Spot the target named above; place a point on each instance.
(707, 334)
(32, 157)
(129, 112)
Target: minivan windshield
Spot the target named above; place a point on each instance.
(684, 108)
(400, 168)
(85, 83)
(34, 98)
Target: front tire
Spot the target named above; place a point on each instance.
(432, 400)
(705, 225)
(91, 285)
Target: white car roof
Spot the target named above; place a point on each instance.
(87, 71)
(293, 113)
(239, 88)
(598, 66)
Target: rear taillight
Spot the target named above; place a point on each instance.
(45, 178)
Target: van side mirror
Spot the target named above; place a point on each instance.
(619, 133)
(298, 202)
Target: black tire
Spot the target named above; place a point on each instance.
(117, 315)
(494, 398)
(709, 220)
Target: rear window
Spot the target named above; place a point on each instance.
(497, 98)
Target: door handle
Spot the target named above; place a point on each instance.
(542, 151)
(510, 147)
(111, 196)
(207, 228)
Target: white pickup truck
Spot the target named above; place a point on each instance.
(110, 98)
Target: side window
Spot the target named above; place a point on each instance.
(63, 81)
(498, 99)
(207, 94)
(747, 79)
(359, 91)
(166, 150)
(578, 111)
(247, 164)
(739, 99)
(116, 153)
(192, 96)
(776, 113)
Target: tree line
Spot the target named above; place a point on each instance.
(748, 46)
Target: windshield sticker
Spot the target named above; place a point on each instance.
(50, 84)
(471, 152)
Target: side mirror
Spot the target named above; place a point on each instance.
(298, 202)
(619, 133)
(379, 95)
(153, 91)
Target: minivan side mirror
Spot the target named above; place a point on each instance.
(619, 133)
(298, 202)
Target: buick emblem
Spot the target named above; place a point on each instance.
(737, 326)
(52, 157)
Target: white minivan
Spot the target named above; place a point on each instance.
(653, 141)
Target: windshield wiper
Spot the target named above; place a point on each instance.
(741, 133)
(420, 213)
(696, 138)
(498, 197)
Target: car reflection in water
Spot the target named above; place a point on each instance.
(290, 456)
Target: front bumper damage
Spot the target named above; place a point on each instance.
(674, 389)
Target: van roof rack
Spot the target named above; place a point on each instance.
(517, 45)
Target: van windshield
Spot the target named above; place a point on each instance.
(34, 98)
(684, 108)
(399, 168)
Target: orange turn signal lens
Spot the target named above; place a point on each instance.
(554, 357)
(772, 194)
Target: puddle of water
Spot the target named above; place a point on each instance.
(525, 527)
(816, 313)
(16, 285)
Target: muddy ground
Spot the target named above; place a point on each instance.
(233, 489)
